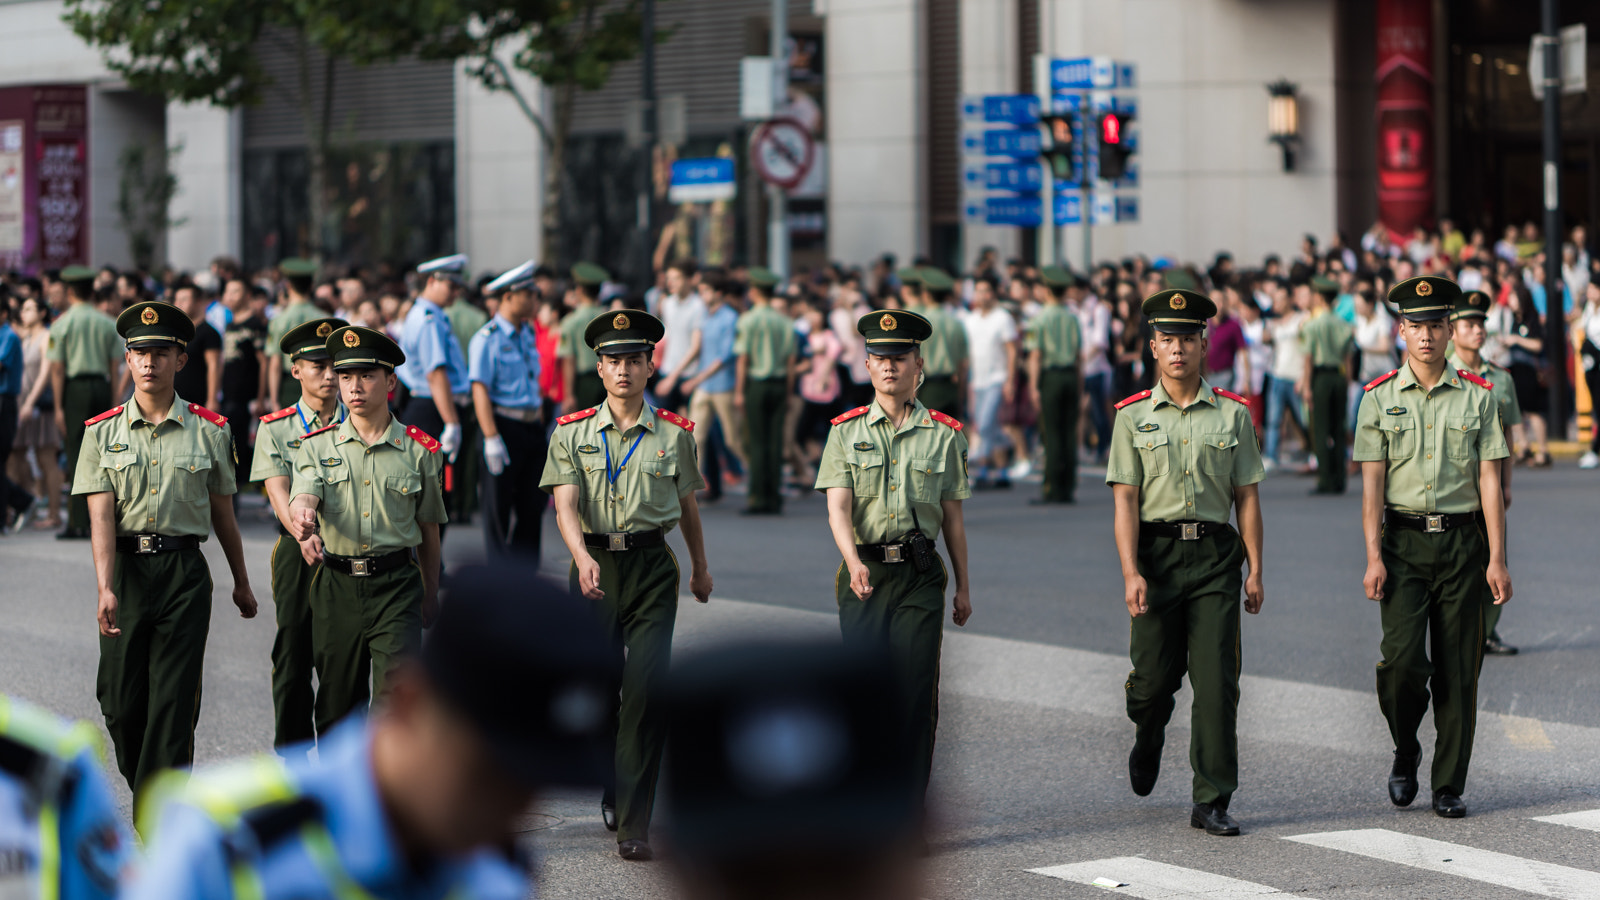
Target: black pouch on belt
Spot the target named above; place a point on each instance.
(921, 547)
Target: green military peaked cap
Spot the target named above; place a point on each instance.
(295, 266)
(936, 279)
(309, 340)
(76, 274)
(1471, 305)
(1425, 297)
(891, 332)
(1178, 311)
(623, 332)
(909, 275)
(355, 347)
(1179, 279)
(154, 323)
(1057, 277)
(1325, 286)
(588, 273)
(763, 277)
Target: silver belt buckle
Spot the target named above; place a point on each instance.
(361, 567)
(893, 553)
(1433, 524)
(1190, 531)
(147, 543)
(617, 541)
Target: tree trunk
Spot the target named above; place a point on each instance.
(555, 251)
(314, 113)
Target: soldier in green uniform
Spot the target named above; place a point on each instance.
(1468, 333)
(623, 474)
(278, 440)
(159, 477)
(1054, 341)
(764, 348)
(367, 504)
(1429, 441)
(579, 365)
(1182, 454)
(895, 473)
(944, 353)
(297, 277)
(83, 353)
(1327, 341)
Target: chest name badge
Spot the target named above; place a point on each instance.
(332, 461)
(864, 445)
(116, 448)
(588, 448)
(1150, 426)
(1396, 410)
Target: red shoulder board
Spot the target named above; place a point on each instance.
(113, 411)
(208, 415)
(578, 416)
(948, 420)
(1475, 379)
(318, 431)
(1134, 399)
(1230, 395)
(677, 420)
(845, 417)
(284, 413)
(1381, 379)
(423, 438)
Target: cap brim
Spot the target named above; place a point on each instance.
(314, 354)
(624, 349)
(1178, 327)
(141, 343)
(1428, 316)
(363, 363)
(890, 349)
(1469, 314)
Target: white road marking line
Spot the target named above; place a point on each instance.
(1588, 820)
(1544, 879)
(1529, 734)
(1153, 880)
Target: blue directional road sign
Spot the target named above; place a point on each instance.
(1021, 178)
(1016, 143)
(702, 180)
(1086, 73)
(1023, 212)
(1068, 209)
(1001, 109)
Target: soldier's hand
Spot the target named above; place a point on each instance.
(700, 585)
(430, 608)
(961, 608)
(738, 402)
(1254, 594)
(861, 581)
(245, 599)
(305, 523)
(1505, 497)
(1499, 583)
(589, 579)
(311, 550)
(1376, 575)
(1135, 593)
(61, 419)
(107, 614)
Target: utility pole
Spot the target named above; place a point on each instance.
(651, 128)
(1555, 328)
(777, 199)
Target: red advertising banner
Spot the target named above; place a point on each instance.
(1405, 114)
(44, 177)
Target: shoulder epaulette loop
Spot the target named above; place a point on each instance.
(677, 420)
(423, 438)
(578, 416)
(284, 413)
(113, 411)
(1476, 379)
(1381, 379)
(947, 420)
(845, 417)
(1230, 395)
(1142, 395)
(216, 419)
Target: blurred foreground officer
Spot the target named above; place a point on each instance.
(504, 367)
(584, 387)
(83, 352)
(422, 800)
(1430, 443)
(623, 475)
(1327, 341)
(1182, 454)
(60, 835)
(277, 445)
(764, 348)
(160, 477)
(1054, 342)
(787, 777)
(895, 474)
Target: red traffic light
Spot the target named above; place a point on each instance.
(1111, 129)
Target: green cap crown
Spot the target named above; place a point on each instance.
(1471, 305)
(622, 332)
(936, 279)
(909, 275)
(763, 277)
(590, 274)
(296, 267)
(1425, 297)
(356, 347)
(154, 323)
(1178, 311)
(1057, 277)
(891, 332)
(308, 340)
(75, 274)
(1325, 286)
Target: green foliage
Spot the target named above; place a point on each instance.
(145, 188)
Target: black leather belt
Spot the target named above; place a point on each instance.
(363, 566)
(1183, 531)
(147, 544)
(617, 541)
(896, 552)
(1430, 523)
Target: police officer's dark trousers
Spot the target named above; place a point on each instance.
(11, 494)
(639, 610)
(1192, 625)
(765, 402)
(1433, 635)
(360, 626)
(293, 699)
(1328, 403)
(1058, 421)
(149, 679)
(939, 392)
(83, 397)
(513, 504)
(422, 413)
(904, 618)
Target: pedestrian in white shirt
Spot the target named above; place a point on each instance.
(681, 311)
(992, 343)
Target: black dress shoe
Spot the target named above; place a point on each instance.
(1448, 806)
(1143, 771)
(635, 851)
(1403, 779)
(1496, 647)
(608, 815)
(1213, 819)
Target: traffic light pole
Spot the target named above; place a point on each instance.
(777, 199)
(1088, 185)
(1555, 329)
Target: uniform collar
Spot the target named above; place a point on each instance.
(1206, 394)
(426, 305)
(918, 418)
(347, 432)
(308, 416)
(177, 413)
(510, 326)
(603, 419)
(1455, 362)
(1408, 378)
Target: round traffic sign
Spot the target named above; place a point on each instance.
(782, 152)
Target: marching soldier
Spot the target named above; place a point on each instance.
(298, 275)
(1054, 341)
(83, 353)
(278, 440)
(944, 353)
(584, 387)
(504, 368)
(367, 508)
(764, 348)
(159, 476)
(1182, 454)
(1429, 441)
(623, 474)
(1327, 340)
(895, 473)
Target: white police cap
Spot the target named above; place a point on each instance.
(449, 267)
(513, 280)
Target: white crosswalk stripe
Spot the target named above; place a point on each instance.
(1151, 880)
(1503, 869)
(1589, 819)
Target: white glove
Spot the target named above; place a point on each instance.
(450, 442)
(495, 455)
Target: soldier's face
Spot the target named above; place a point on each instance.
(366, 391)
(895, 375)
(152, 368)
(625, 377)
(1470, 334)
(1425, 340)
(317, 378)
(1178, 356)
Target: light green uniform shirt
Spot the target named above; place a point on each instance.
(1056, 334)
(278, 441)
(571, 345)
(1505, 392)
(766, 337)
(85, 340)
(946, 348)
(1185, 461)
(293, 315)
(1432, 440)
(163, 475)
(1326, 339)
(893, 472)
(465, 320)
(371, 497)
(648, 489)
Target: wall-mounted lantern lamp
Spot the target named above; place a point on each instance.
(1283, 119)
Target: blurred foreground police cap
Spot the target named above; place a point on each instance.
(77, 274)
(1325, 286)
(590, 274)
(1178, 312)
(1425, 297)
(1471, 305)
(530, 668)
(792, 745)
(450, 268)
(893, 332)
(309, 340)
(356, 347)
(937, 280)
(623, 332)
(518, 279)
(155, 324)
(910, 275)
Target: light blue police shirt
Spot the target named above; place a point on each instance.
(717, 332)
(428, 343)
(505, 359)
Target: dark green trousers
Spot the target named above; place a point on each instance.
(904, 617)
(588, 389)
(149, 678)
(639, 610)
(85, 397)
(288, 391)
(1433, 602)
(765, 402)
(359, 629)
(1328, 403)
(1192, 626)
(293, 701)
(939, 392)
(1058, 427)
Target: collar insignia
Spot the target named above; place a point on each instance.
(1150, 426)
(116, 448)
(864, 445)
(332, 461)
(1398, 410)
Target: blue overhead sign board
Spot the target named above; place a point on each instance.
(1021, 178)
(1001, 109)
(1016, 143)
(1087, 73)
(702, 180)
(1022, 212)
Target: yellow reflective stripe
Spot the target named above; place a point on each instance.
(44, 732)
(49, 851)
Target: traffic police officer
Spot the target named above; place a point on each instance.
(1327, 341)
(297, 279)
(504, 367)
(1429, 441)
(764, 347)
(1468, 333)
(366, 494)
(584, 387)
(895, 473)
(434, 369)
(278, 440)
(159, 475)
(1054, 341)
(83, 351)
(944, 353)
(623, 474)
(424, 799)
(60, 835)
(1182, 454)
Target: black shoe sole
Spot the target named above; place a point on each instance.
(1197, 822)
(1137, 775)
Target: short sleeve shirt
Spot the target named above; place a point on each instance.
(371, 498)
(895, 472)
(572, 345)
(429, 344)
(278, 440)
(1327, 339)
(85, 341)
(1054, 333)
(946, 347)
(1505, 392)
(766, 338)
(1186, 461)
(652, 467)
(291, 316)
(163, 475)
(505, 360)
(717, 331)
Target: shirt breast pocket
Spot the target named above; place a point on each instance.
(335, 488)
(400, 494)
(1216, 453)
(1402, 434)
(660, 475)
(927, 479)
(124, 473)
(1461, 436)
(866, 474)
(1153, 454)
(190, 477)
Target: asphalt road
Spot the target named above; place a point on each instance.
(1030, 773)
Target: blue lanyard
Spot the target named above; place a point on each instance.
(306, 426)
(610, 475)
